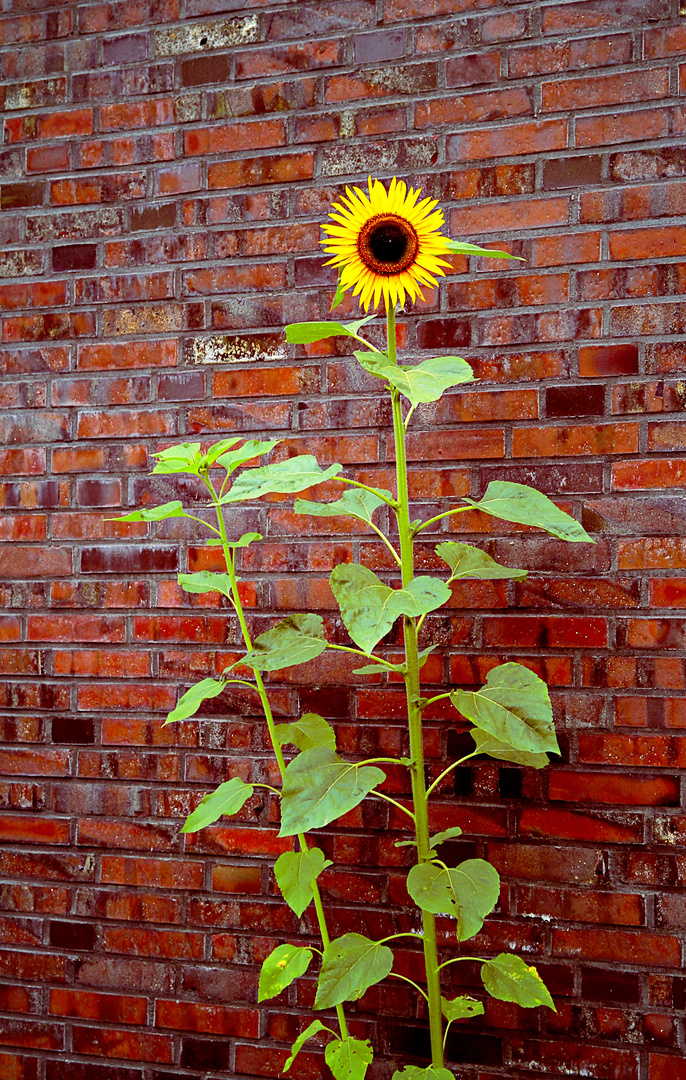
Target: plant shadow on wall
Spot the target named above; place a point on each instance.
(386, 245)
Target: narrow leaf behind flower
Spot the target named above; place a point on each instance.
(514, 707)
(318, 787)
(351, 965)
(527, 506)
(460, 247)
(469, 892)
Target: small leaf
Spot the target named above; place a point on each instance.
(351, 965)
(349, 1058)
(205, 581)
(488, 744)
(422, 382)
(297, 1046)
(527, 506)
(461, 248)
(310, 730)
(461, 1008)
(514, 707)
(189, 703)
(415, 1072)
(318, 787)
(305, 333)
(441, 837)
(215, 451)
(281, 477)
(294, 640)
(228, 799)
(245, 540)
(340, 293)
(466, 561)
(156, 513)
(469, 892)
(355, 503)
(183, 458)
(249, 450)
(508, 978)
(295, 871)
(281, 968)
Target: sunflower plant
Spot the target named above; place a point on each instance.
(386, 245)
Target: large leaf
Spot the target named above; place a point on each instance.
(250, 449)
(508, 978)
(226, 800)
(182, 458)
(281, 968)
(513, 706)
(422, 382)
(294, 640)
(355, 503)
(310, 730)
(467, 561)
(527, 506)
(469, 892)
(488, 744)
(369, 608)
(281, 477)
(349, 1058)
(318, 787)
(189, 703)
(295, 873)
(205, 581)
(297, 1046)
(305, 333)
(415, 1072)
(461, 1008)
(155, 513)
(351, 965)
(459, 247)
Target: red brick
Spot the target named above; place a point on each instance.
(285, 168)
(587, 92)
(312, 55)
(233, 137)
(647, 243)
(570, 55)
(621, 127)
(666, 1067)
(527, 138)
(209, 1019)
(580, 439)
(528, 214)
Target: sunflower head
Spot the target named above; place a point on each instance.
(385, 243)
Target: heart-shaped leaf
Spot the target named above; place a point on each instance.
(318, 787)
(351, 965)
(466, 561)
(469, 892)
(281, 968)
(422, 382)
(310, 730)
(281, 477)
(514, 707)
(228, 799)
(295, 872)
(294, 640)
(508, 978)
(415, 1072)
(488, 744)
(349, 1058)
(527, 506)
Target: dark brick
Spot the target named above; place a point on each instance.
(595, 360)
(73, 936)
(575, 400)
(200, 1054)
(334, 704)
(74, 257)
(206, 69)
(162, 216)
(603, 984)
(123, 560)
(510, 783)
(73, 730)
(571, 172)
(18, 196)
(443, 333)
(379, 45)
(72, 1070)
(122, 50)
(188, 386)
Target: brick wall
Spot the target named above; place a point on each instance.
(165, 167)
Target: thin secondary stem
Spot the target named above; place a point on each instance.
(374, 491)
(387, 798)
(459, 959)
(447, 513)
(450, 768)
(412, 687)
(366, 656)
(395, 975)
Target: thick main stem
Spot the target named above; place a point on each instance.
(414, 713)
(269, 717)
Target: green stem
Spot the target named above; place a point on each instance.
(356, 483)
(447, 513)
(414, 712)
(264, 698)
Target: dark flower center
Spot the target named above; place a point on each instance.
(387, 244)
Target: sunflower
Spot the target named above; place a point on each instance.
(386, 242)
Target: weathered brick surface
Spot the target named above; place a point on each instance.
(163, 172)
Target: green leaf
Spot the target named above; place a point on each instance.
(488, 744)
(156, 513)
(205, 581)
(310, 730)
(422, 382)
(189, 703)
(508, 978)
(297, 1046)
(526, 506)
(249, 450)
(514, 707)
(355, 503)
(295, 872)
(281, 968)
(466, 561)
(340, 293)
(281, 477)
(215, 451)
(369, 608)
(305, 333)
(441, 837)
(318, 787)
(351, 965)
(459, 247)
(245, 540)
(226, 800)
(294, 640)
(469, 892)
(183, 458)
(349, 1058)
(461, 1008)
(414, 1072)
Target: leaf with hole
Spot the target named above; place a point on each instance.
(508, 978)
(469, 892)
(205, 581)
(354, 503)
(310, 730)
(155, 513)
(305, 333)
(514, 707)
(281, 968)
(351, 965)
(349, 1058)
(488, 744)
(461, 1008)
(294, 640)
(318, 787)
(189, 703)
(228, 799)
(310, 1030)
(466, 561)
(295, 872)
(527, 506)
(279, 478)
